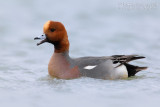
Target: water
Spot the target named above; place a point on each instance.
(95, 28)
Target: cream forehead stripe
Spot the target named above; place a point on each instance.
(89, 67)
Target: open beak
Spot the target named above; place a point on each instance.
(42, 37)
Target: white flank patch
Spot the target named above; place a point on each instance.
(121, 71)
(89, 67)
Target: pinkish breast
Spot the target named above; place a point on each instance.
(59, 67)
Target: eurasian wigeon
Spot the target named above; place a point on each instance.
(62, 66)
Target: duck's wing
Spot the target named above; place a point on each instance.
(122, 59)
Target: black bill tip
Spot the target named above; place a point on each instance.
(38, 44)
(36, 38)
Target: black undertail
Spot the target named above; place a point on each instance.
(132, 70)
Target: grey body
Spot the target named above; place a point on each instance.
(105, 66)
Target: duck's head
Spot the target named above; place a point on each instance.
(56, 34)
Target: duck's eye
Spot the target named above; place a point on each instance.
(52, 29)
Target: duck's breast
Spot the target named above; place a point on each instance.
(60, 67)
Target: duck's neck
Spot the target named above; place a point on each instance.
(64, 55)
(61, 46)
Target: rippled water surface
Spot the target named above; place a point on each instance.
(95, 28)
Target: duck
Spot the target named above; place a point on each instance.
(62, 66)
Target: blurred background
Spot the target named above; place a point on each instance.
(95, 28)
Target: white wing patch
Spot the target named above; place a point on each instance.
(89, 67)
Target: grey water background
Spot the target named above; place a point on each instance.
(95, 28)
